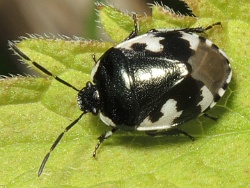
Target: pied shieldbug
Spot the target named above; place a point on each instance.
(152, 82)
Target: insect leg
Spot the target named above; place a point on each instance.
(102, 138)
(135, 32)
(169, 132)
(210, 117)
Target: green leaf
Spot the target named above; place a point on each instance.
(35, 110)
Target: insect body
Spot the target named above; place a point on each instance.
(158, 80)
(152, 82)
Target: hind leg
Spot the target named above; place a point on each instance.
(169, 132)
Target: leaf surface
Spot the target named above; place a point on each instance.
(35, 110)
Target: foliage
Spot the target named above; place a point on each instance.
(34, 110)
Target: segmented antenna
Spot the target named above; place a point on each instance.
(56, 142)
(41, 68)
(200, 29)
(44, 70)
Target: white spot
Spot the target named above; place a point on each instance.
(170, 113)
(183, 69)
(106, 120)
(154, 45)
(193, 40)
(212, 104)
(108, 134)
(229, 76)
(209, 43)
(207, 98)
(152, 42)
(221, 91)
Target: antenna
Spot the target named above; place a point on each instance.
(41, 68)
(56, 142)
(200, 29)
(44, 70)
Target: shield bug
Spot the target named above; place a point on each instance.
(152, 82)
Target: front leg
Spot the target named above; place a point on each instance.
(102, 138)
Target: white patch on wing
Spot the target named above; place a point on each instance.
(154, 45)
(193, 40)
(106, 120)
(152, 42)
(170, 113)
(221, 91)
(212, 104)
(208, 98)
(209, 43)
(229, 76)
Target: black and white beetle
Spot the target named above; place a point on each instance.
(151, 82)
